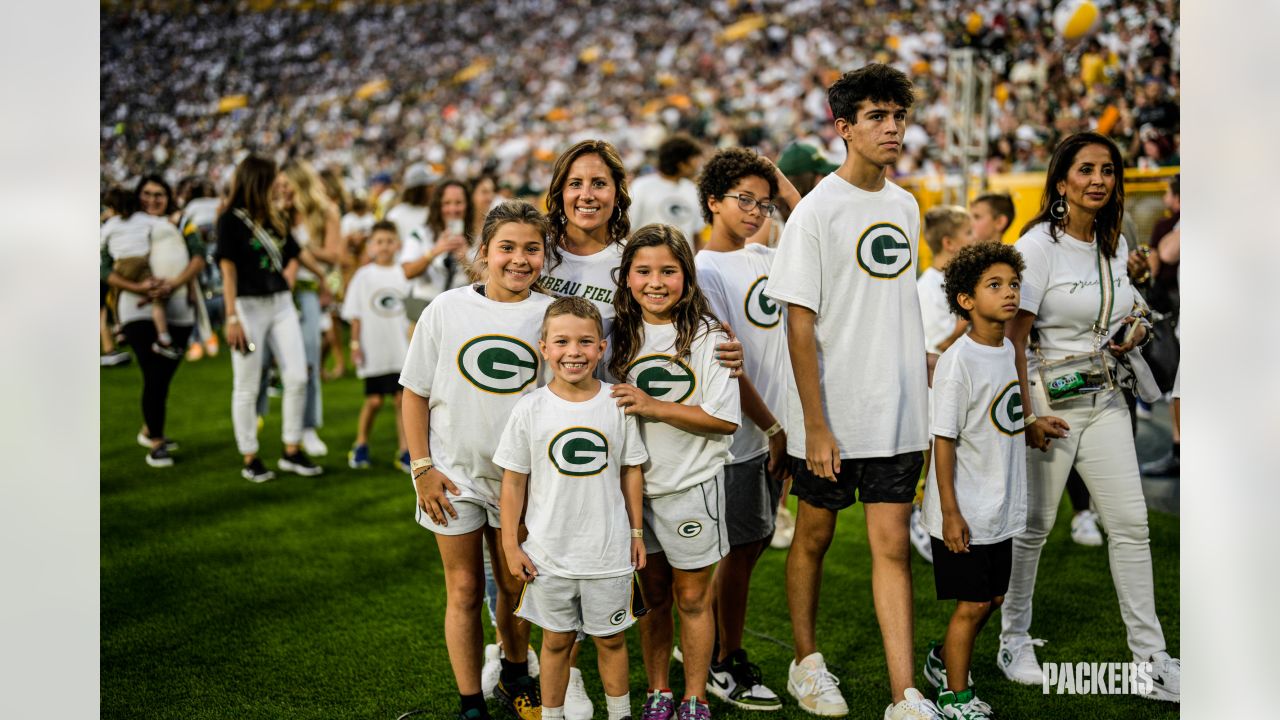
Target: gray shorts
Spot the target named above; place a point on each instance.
(598, 607)
(688, 526)
(751, 500)
(473, 514)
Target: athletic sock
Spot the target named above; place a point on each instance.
(512, 671)
(552, 713)
(473, 702)
(164, 338)
(619, 707)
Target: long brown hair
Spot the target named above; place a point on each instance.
(619, 222)
(1107, 223)
(691, 313)
(251, 190)
(435, 217)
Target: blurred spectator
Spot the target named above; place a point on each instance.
(669, 196)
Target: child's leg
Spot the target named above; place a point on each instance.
(161, 323)
(731, 583)
(555, 666)
(657, 627)
(692, 591)
(400, 437)
(368, 412)
(513, 632)
(464, 587)
(611, 658)
(104, 332)
(957, 649)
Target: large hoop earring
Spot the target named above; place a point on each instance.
(1058, 210)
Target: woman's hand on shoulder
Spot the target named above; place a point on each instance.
(633, 400)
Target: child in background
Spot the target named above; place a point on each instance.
(665, 341)
(374, 305)
(470, 360)
(992, 214)
(976, 497)
(574, 456)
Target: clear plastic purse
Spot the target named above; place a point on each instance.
(1075, 377)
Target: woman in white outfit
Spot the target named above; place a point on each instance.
(1077, 300)
(255, 253)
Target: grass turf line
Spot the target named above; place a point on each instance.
(322, 598)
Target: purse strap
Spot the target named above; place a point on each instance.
(266, 239)
(1106, 299)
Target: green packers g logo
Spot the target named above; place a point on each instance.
(884, 251)
(761, 311)
(386, 302)
(689, 529)
(498, 364)
(1006, 410)
(579, 452)
(663, 377)
(618, 618)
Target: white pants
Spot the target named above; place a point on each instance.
(268, 321)
(1101, 449)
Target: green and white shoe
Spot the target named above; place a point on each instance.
(963, 705)
(935, 670)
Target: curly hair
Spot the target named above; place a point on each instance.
(691, 313)
(970, 263)
(725, 169)
(619, 222)
(875, 83)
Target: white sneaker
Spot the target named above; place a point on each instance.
(312, 443)
(1166, 676)
(814, 688)
(784, 529)
(914, 706)
(1084, 529)
(676, 654)
(920, 539)
(490, 671)
(577, 705)
(1017, 660)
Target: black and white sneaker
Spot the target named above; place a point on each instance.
(300, 464)
(256, 472)
(144, 441)
(168, 351)
(739, 683)
(160, 457)
(114, 358)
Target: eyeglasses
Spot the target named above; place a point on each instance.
(746, 203)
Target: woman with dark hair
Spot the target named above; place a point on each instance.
(256, 253)
(1078, 306)
(438, 258)
(141, 219)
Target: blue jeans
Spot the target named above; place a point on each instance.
(309, 311)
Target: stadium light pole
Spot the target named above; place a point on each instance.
(969, 91)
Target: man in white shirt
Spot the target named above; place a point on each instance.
(857, 407)
(669, 195)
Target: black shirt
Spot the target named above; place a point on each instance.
(256, 274)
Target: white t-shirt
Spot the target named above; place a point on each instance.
(588, 276)
(846, 254)
(1061, 287)
(407, 218)
(302, 235)
(734, 285)
(978, 402)
(655, 199)
(574, 453)
(353, 223)
(473, 357)
(437, 278)
(375, 297)
(129, 238)
(679, 460)
(935, 311)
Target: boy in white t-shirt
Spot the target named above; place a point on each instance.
(857, 402)
(976, 497)
(374, 305)
(575, 457)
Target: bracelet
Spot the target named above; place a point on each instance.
(1030, 420)
(422, 472)
(637, 533)
(777, 428)
(355, 344)
(422, 462)
(233, 319)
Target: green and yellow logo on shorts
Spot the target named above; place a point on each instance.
(689, 529)
(618, 617)
(498, 364)
(1007, 412)
(663, 377)
(387, 302)
(761, 310)
(884, 251)
(579, 452)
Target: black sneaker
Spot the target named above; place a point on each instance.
(738, 682)
(144, 441)
(473, 714)
(168, 351)
(521, 697)
(159, 457)
(1167, 466)
(299, 463)
(256, 472)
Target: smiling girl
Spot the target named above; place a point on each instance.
(665, 338)
(471, 358)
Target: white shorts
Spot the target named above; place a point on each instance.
(598, 607)
(688, 526)
(473, 514)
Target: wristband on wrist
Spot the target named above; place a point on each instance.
(777, 428)
(355, 344)
(1029, 420)
(637, 533)
(233, 319)
(422, 462)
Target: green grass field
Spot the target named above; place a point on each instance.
(322, 598)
